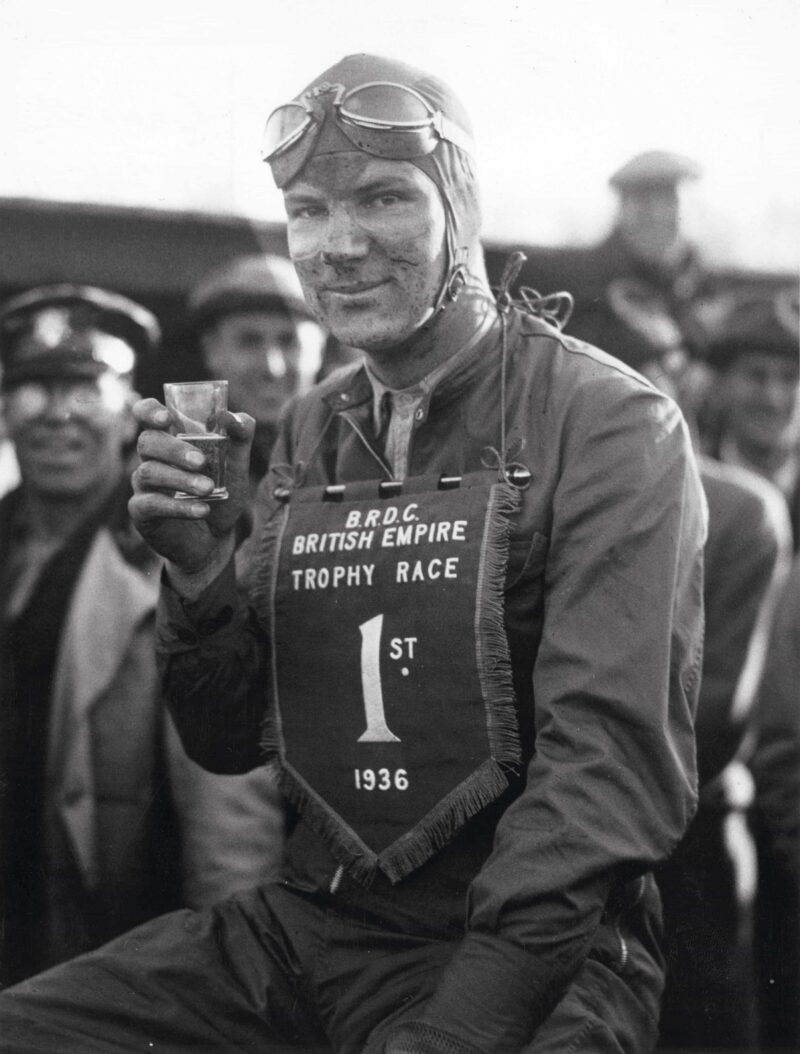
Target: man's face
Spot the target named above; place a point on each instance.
(367, 237)
(649, 220)
(266, 358)
(759, 391)
(70, 435)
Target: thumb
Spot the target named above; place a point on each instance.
(241, 429)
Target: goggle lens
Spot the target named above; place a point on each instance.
(284, 127)
(386, 105)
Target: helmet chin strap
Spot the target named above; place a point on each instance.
(456, 276)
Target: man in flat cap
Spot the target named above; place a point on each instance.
(648, 222)
(753, 420)
(646, 246)
(466, 630)
(254, 328)
(753, 350)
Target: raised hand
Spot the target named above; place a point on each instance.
(195, 536)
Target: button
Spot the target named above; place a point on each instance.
(419, 414)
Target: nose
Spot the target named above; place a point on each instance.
(344, 239)
(275, 359)
(59, 406)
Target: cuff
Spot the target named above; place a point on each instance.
(492, 996)
(181, 624)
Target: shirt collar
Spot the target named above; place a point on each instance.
(423, 388)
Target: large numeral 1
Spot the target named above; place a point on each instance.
(377, 731)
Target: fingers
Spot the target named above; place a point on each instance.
(153, 507)
(240, 427)
(150, 413)
(167, 465)
(152, 475)
(161, 446)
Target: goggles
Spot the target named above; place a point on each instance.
(381, 118)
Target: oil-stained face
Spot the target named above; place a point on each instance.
(367, 237)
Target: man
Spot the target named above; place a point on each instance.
(708, 884)
(776, 767)
(92, 777)
(254, 328)
(9, 470)
(754, 353)
(647, 248)
(481, 680)
(88, 838)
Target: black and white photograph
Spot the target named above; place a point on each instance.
(400, 527)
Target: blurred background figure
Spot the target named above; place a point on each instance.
(646, 245)
(752, 413)
(9, 469)
(709, 885)
(253, 328)
(88, 838)
(776, 767)
(104, 822)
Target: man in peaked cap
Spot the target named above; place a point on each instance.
(254, 328)
(754, 353)
(466, 629)
(90, 843)
(84, 815)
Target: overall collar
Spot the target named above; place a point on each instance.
(444, 381)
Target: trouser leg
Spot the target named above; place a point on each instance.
(233, 978)
(710, 998)
(612, 1005)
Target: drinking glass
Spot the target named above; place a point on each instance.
(197, 408)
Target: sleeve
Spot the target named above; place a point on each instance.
(211, 656)
(612, 783)
(776, 759)
(746, 560)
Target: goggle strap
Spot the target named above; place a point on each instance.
(450, 131)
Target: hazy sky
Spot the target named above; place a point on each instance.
(162, 103)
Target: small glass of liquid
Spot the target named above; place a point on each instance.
(198, 410)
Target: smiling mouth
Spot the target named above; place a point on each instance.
(347, 289)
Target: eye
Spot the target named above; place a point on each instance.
(385, 200)
(305, 211)
(26, 400)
